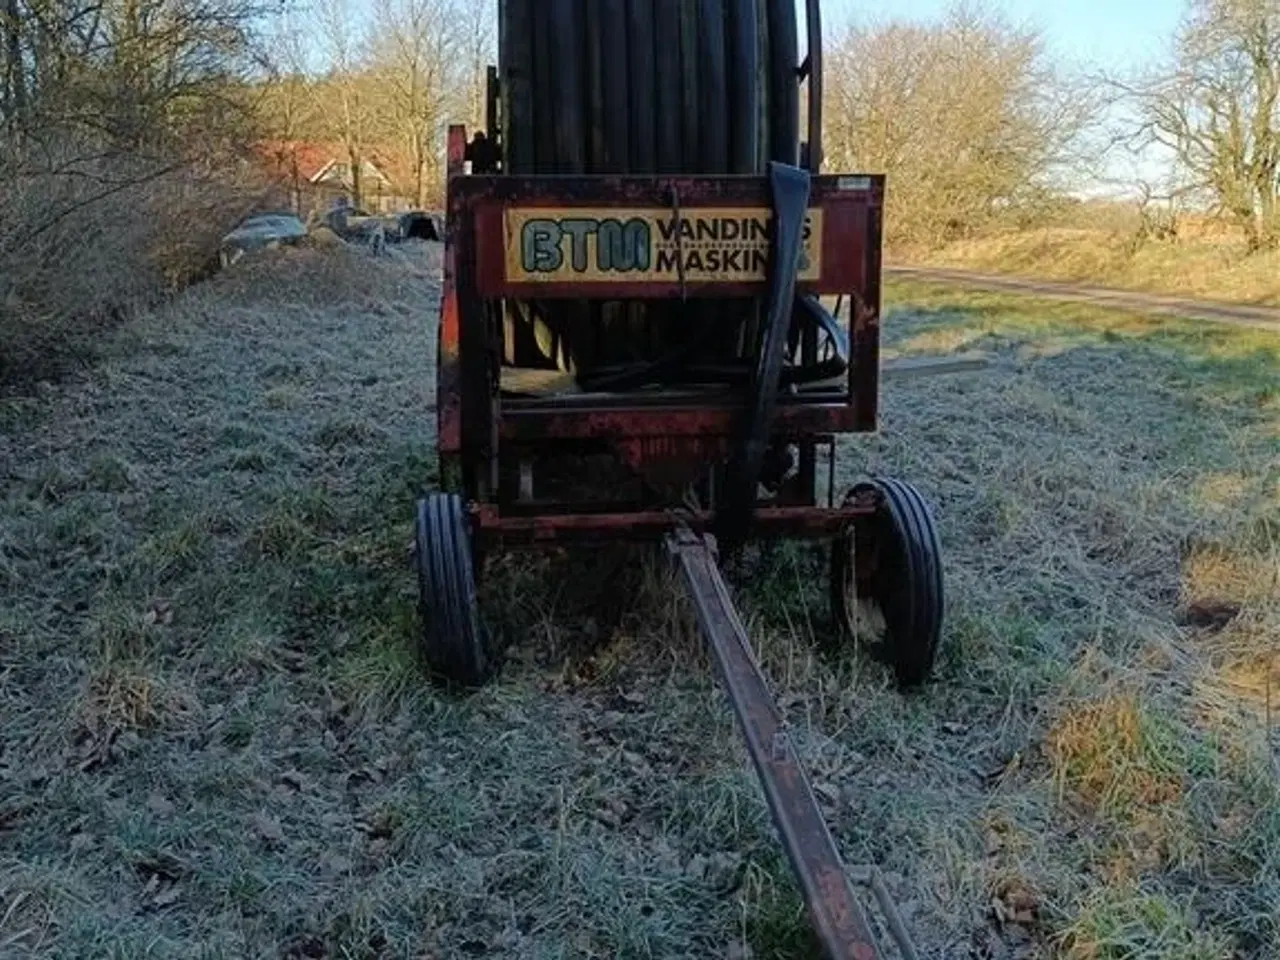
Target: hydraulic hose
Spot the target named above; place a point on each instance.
(789, 186)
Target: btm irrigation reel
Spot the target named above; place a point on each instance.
(633, 344)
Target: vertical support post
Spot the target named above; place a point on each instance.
(456, 150)
(448, 347)
(864, 329)
(492, 99)
(813, 25)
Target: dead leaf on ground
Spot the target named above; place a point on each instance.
(827, 793)
(1210, 615)
(12, 813)
(162, 865)
(167, 897)
(1016, 903)
(268, 828)
(159, 804)
(159, 613)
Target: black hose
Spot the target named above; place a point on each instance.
(544, 99)
(642, 69)
(784, 91)
(744, 86)
(713, 99)
(676, 367)
(789, 186)
(567, 63)
(667, 103)
(648, 86)
(613, 80)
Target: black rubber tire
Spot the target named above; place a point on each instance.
(893, 558)
(453, 640)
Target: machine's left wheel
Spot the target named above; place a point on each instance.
(892, 559)
(453, 638)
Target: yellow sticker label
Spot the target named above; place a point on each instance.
(648, 245)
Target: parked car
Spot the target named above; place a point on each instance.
(261, 231)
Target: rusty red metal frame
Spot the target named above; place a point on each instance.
(851, 209)
(838, 917)
(794, 522)
(475, 421)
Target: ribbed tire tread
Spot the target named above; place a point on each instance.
(452, 636)
(911, 597)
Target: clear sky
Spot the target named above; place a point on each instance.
(1109, 33)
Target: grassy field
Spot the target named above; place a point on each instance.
(216, 741)
(1213, 267)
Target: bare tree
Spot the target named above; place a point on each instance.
(1216, 107)
(968, 117)
(477, 29)
(117, 122)
(413, 63)
(343, 95)
(141, 72)
(288, 110)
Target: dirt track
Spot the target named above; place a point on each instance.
(1241, 315)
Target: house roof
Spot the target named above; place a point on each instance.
(312, 158)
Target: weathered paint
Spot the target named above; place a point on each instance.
(719, 245)
(561, 256)
(492, 526)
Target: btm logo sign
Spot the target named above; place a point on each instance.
(724, 245)
(620, 247)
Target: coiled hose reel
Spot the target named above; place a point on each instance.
(653, 87)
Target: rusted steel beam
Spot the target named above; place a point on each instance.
(837, 916)
(792, 420)
(795, 522)
(449, 332)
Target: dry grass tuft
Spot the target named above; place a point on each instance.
(1127, 924)
(1221, 576)
(1115, 755)
(1209, 267)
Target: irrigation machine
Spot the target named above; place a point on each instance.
(642, 337)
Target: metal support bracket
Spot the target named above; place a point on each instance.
(838, 917)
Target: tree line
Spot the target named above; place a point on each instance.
(977, 126)
(392, 80)
(974, 122)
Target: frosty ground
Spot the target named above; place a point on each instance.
(216, 739)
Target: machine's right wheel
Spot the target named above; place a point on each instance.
(892, 559)
(453, 638)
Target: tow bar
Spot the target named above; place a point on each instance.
(838, 917)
